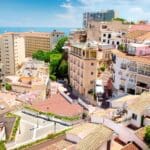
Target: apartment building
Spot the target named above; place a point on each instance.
(107, 32)
(132, 69)
(107, 15)
(35, 41)
(12, 49)
(85, 60)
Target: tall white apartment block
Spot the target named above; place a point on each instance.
(12, 51)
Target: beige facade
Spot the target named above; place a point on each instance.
(12, 52)
(35, 41)
(85, 60)
(95, 29)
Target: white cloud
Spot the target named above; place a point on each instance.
(138, 13)
(70, 17)
(90, 2)
(72, 14)
(66, 5)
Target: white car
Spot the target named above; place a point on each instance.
(2, 107)
(99, 88)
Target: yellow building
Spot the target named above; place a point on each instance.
(35, 41)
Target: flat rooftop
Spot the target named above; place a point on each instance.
(139, 59)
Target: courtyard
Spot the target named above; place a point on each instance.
(33, 128)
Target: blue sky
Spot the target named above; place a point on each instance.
(66, 13)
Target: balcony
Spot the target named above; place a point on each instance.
(143, 85)
(123, 66)
(133, 69)
(141, 71)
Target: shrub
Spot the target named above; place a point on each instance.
(65, 118)
(103, 67)
(8, 87)
(50, 136)
(15, 126)
(53, 77)
(147, 135)
(2, 145)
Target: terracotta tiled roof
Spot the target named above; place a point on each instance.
(146, 36)
(130, 146)
(57, 104)
(135, 34)
(145, 27)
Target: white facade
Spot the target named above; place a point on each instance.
(111, 37)
(130, 76)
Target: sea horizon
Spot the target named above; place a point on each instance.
(4, 29)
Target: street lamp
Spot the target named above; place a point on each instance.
(54, 126)
(19, 129)
(47, 111)
(37, 119)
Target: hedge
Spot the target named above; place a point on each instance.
(65, 118)
(15, 126)
(49, 136)
(2, 145)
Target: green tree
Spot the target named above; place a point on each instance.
(120, 19)
(41, 55)
(63, 69)
(2, 145)
(147, 135)
(8, 87)
(60, 44)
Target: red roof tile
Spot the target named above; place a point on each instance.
(145, 27)
(57, 104)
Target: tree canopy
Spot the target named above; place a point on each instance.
(60, 44)
(147, 135)
(58, 65)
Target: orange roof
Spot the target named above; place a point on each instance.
(25, 79)
(145, 27)
(139, 59)
(146, 36)
(130, 146)
(135, 34)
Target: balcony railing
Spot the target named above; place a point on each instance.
(123, 66)
(133, 69)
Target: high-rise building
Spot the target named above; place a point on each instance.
(98, 16)
(12, 51)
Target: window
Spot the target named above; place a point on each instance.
(104, 40)
(92, 73)
(92, 64)
(91, 82)
(134, 116)
(104, 35)
(109, 36)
